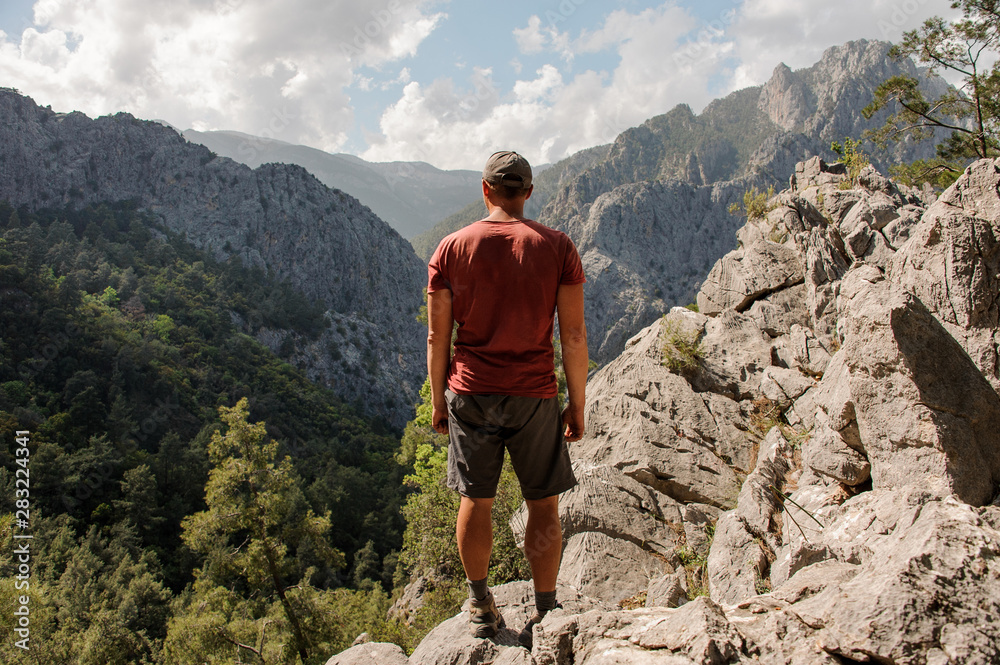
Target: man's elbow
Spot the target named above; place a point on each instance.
(435, 339)
(574, 337)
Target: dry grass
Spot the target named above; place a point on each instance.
(681, 350)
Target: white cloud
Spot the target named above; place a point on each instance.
(530, 39)
(273, 67)
(548, 78)
(549, 117)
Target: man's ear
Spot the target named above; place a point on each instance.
(530, 190)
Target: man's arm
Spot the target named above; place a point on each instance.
(439, 324)
(573, 336)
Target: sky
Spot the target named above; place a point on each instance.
(444, 82)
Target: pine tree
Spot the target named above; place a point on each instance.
(256, 517)
(968, 49)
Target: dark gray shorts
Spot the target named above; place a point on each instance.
(481, 426)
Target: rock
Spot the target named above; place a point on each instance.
(783, 385)
(813, 173)
(951, 265)
(697, 632)
(827, 452)
(778, 312)
(801, 350)
(747, 274)
(667, 591)
(898, 607)
(411, 600)
(813, 579)
(735, 353)
(371, 653)
(608, 569)
(450, 643)
(631, 532)
(737, 561)
(652, 426)
(826, 264)
(806, 513)
(924, 412)
(609, 502)
(699, 521)
(744, 537)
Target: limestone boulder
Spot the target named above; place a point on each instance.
(735, 353)
(745, 537)
(783, 385)
(371, 653)
(652, 426)
(899, 608)
(777, 313)
(951, 264)
(609, 569)
(924, 412)
(609, 502)
(748, 273)
(697, 632)
(803, 351)
(451, 643)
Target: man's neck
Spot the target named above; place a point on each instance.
(505, 213)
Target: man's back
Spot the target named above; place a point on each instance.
(504, 278)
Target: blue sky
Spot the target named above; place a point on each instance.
(431, 80)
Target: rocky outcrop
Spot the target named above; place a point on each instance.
(841, 487)
(278, 218)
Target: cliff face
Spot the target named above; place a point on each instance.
(821, 477)
(683, 170)
(277, 217)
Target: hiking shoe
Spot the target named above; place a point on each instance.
(484, 618)
(526, 637)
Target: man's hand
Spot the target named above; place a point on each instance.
(439, 419)
(573, 418)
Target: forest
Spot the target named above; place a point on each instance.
(193, 497)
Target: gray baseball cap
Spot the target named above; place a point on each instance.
(507, 168)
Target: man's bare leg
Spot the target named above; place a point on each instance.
(475, 536)
(543, 542)
(475, 542)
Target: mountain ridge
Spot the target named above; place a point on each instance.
(409, 196)
(277, 217)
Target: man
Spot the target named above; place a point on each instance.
(503, 279)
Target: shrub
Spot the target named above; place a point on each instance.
(756, 204)
(854, 158)
(681, 349)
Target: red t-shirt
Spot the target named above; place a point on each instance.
(503, 277)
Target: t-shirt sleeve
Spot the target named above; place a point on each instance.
(572, 272)
(437, 278)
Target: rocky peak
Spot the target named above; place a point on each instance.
(787, 100)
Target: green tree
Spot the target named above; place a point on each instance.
(972, 114)
(256, 517)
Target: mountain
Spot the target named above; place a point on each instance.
(277, 218)
(651, 218)
(410, 196)
(807, 471)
